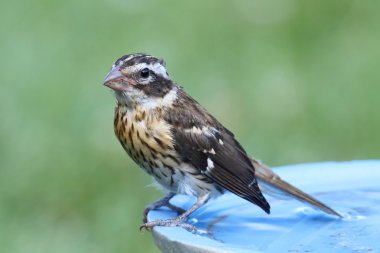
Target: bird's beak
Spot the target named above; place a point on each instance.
(114, 80)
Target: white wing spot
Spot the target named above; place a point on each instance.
(194, 130)
(252, 183)
(211, 151)
(221, 142)
(210, 164)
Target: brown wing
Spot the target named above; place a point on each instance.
(203, 142)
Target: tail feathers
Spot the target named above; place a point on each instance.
(272, 184)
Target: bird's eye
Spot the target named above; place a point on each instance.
(144, 73)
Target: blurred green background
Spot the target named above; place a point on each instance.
(296, 81)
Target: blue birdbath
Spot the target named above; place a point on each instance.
(231, 224)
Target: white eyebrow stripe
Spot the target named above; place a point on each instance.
(157, 68)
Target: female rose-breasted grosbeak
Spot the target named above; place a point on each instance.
(175, 140)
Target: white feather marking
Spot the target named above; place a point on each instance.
(221, 142)
(194, 130)
(207, 131)
(127, 59)
(123, 61)
(170, 97)
(211, 151)
(157, 68)
(204, 130)
(210, 164)
(167, 100)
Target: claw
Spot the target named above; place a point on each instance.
(144, 226)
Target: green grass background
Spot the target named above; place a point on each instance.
(297, 81)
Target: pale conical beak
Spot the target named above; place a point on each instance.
(114, 80)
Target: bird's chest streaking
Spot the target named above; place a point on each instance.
(148, 140)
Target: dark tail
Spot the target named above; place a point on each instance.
(272, 183)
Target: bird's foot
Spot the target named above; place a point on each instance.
(177, 222)
(180, 221)
(159, 203)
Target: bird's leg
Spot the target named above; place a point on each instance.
(180, 221)
(164, 201)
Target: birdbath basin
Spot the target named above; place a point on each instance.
(231, 224)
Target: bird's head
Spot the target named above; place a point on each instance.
(139, 79)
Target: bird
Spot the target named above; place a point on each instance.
(182, 146)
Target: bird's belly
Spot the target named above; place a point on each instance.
(186, 180)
